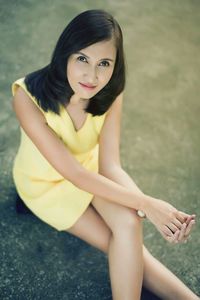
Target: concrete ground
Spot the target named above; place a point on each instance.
(160, 141)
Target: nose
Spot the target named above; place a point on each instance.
(91, 76)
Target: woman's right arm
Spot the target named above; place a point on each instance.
(33, 122)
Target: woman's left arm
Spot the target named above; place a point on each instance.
(109, 153)
(109, 148)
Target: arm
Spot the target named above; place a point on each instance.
(163, 215)
(120, 176)
(53, 149)
(109, 149)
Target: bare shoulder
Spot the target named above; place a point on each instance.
(116, 105)
(113, 116)
(20, 96)
(24, 107)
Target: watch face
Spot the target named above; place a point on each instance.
(141, 214)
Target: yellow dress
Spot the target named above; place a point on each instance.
(52, 198)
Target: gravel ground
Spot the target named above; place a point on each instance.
(160, 126)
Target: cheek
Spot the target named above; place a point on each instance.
(71, 76)
(73, 71)
(105, 77)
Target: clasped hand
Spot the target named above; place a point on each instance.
(175, 226)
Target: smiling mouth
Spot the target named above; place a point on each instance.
(89, 87)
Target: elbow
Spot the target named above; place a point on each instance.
(76, 176)
(107, 171)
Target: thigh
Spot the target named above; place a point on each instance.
(116, 216)
(92, 229)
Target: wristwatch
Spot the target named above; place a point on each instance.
(141, 214)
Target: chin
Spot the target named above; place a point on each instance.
(87, 95)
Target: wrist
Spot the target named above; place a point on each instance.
(146, 201)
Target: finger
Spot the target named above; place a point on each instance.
(169, 239)
(187, 221)
(187, 216)
(164, 235)
(177, 223)
(172, 227)
(189, 227)
(182, 232)
(182, 216)
(176, 236)
(192, 217)
(167, 231)
(173, 239)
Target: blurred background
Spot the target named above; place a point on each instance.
(160, 141)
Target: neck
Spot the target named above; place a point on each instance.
(78, 102)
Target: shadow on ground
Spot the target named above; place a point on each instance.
(159, 149)
(41, 263)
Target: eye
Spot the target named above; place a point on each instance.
(105, 63)
(82, 58)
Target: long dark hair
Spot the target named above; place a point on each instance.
(50, 86)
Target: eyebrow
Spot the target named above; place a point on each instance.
(110, 59)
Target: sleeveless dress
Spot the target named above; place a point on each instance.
(51, 197)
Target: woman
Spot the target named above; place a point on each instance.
(67, 169)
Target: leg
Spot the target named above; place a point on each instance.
(156, 277)
(162, 282)
(90, 226)
(124, 248)
(125, 253)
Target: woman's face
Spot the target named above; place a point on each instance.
(91, 68)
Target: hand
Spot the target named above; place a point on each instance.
(186, 229)
(183, 234)
(174, 225)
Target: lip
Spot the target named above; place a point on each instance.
(87, 86)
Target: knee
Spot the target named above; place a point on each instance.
(127, 222)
